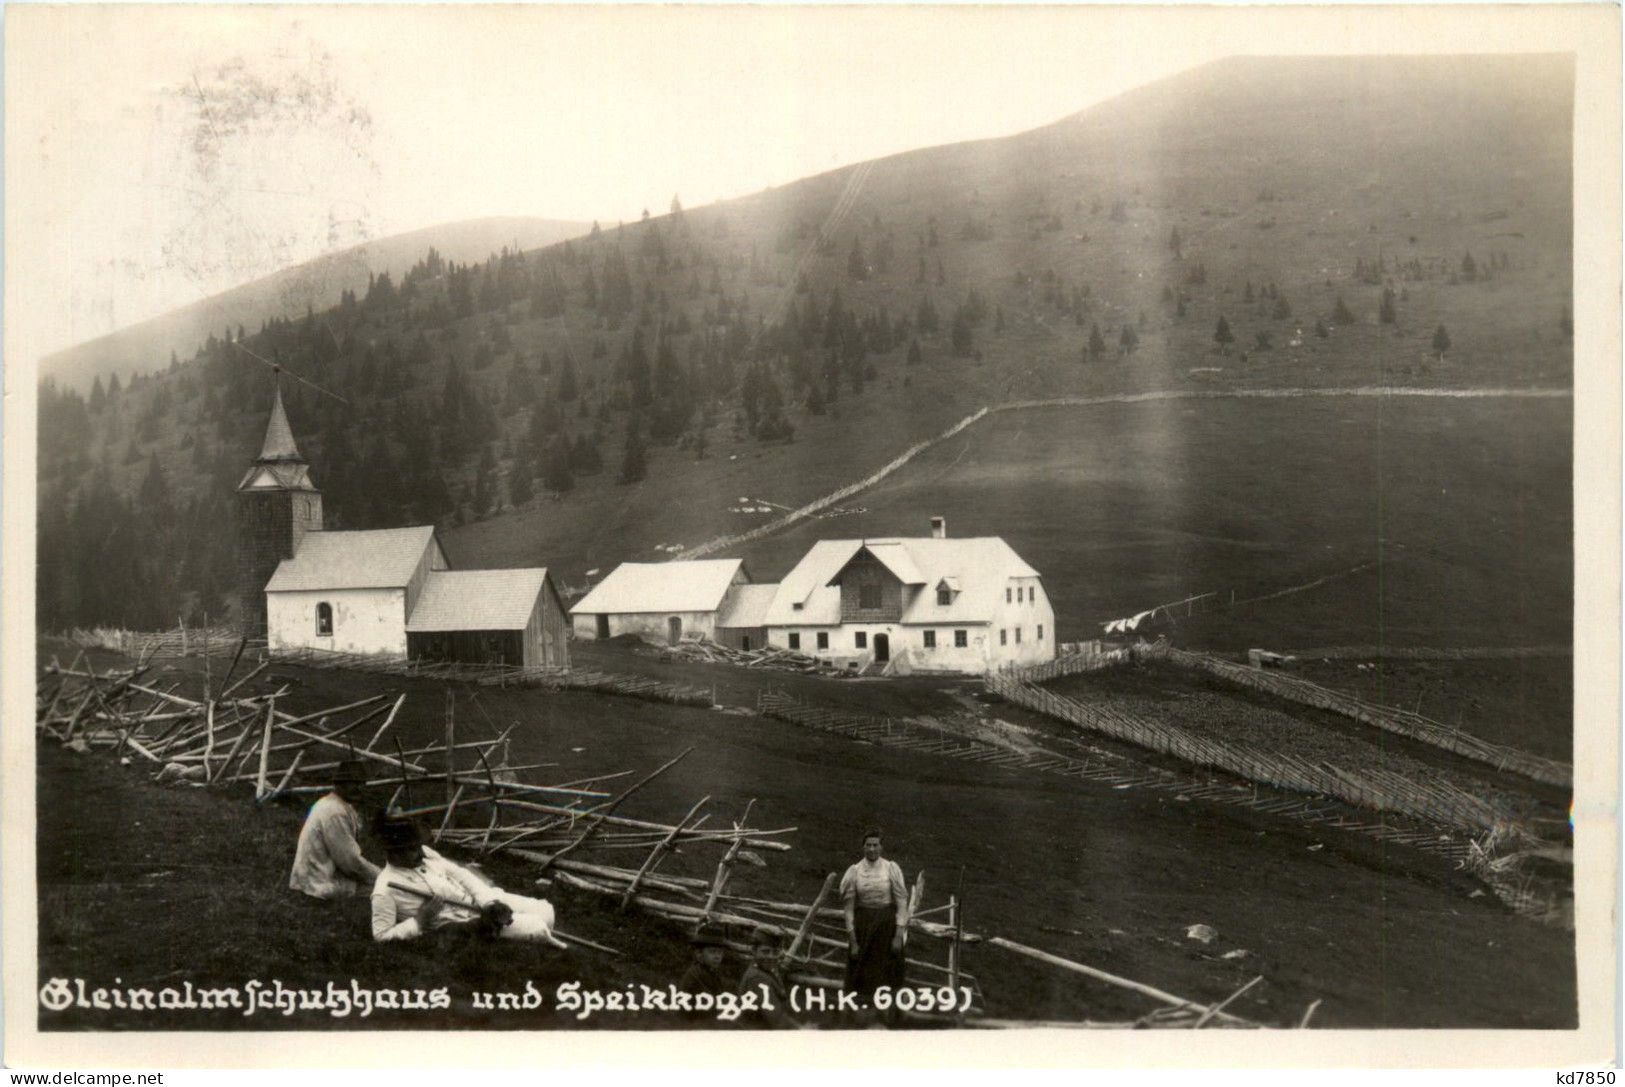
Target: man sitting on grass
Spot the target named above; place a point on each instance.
(328, 863)
(419, 892)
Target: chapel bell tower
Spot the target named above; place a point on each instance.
(276, 505)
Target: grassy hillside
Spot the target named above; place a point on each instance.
(1384, 935)
(580, 405)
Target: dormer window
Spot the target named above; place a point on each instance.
(945, 595)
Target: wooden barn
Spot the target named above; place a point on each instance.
(490, 617)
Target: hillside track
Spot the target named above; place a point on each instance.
(1361, 391)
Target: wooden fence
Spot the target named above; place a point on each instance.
(180, 642)
(501, 675)
(1366, 787)
(1079, 657)
(1398, 721)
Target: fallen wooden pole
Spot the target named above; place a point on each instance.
(1111, 979)
(807, 920)
(1221, 1005)
(603, 811)
(659, 852)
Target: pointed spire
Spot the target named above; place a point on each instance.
(279, 444)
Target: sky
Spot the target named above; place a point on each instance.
(158, 155)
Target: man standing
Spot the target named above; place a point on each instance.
(328, 862)
(419, 892)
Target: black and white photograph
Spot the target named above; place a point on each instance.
(653, 526)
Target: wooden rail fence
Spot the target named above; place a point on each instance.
(1367, 787)
(1390, 719)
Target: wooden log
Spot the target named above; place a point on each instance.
(725, 866)
(265, 749)
(390, 720)
(603, 811)
(812, 911)
(1221, 1005)
(1110, 979)
(659, 852)
(282, 785)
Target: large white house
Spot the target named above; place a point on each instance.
(918, 603)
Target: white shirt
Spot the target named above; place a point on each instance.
(394, 912)
(328, 861)
(876, 885)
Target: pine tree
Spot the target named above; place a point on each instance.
(1097, 342)
(1441, 342)
(1341, 314)
(1282, 310)
(1222, 334)
(1320, 328)
(1386, 312)
(634, 464)
(556, 474)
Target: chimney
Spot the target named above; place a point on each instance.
(939, 528)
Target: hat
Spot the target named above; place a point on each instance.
(350, 772)
(765, 937)
(708, 937)
(399, 833)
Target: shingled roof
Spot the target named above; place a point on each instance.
(697, 585)
(478, 600)
(975, 568)
(383, 558)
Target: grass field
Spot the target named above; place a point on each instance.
(1108, 877)
(1463, 505)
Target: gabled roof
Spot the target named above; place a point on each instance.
(747, 606)
(478, 600)
(698, 585)
(894, 556)
(978, 566)
(383, 558)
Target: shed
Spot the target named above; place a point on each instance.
(490, 617)
(659, 600)
(743, 622)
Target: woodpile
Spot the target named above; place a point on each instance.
(774, 657)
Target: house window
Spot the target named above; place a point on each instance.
(869, 595)
(1040, 631)
(1007, 594)
(945, 596)
(861, 639)
(795, 641)
(930, 639)
(796, 606)
(1004, 636)
(961, 639)
(1018, 635)
(324, 620)
(823, 639)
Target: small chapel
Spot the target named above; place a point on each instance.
(386, 592)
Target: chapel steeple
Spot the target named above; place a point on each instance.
(277, 503)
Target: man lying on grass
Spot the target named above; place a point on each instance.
(419, 892)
